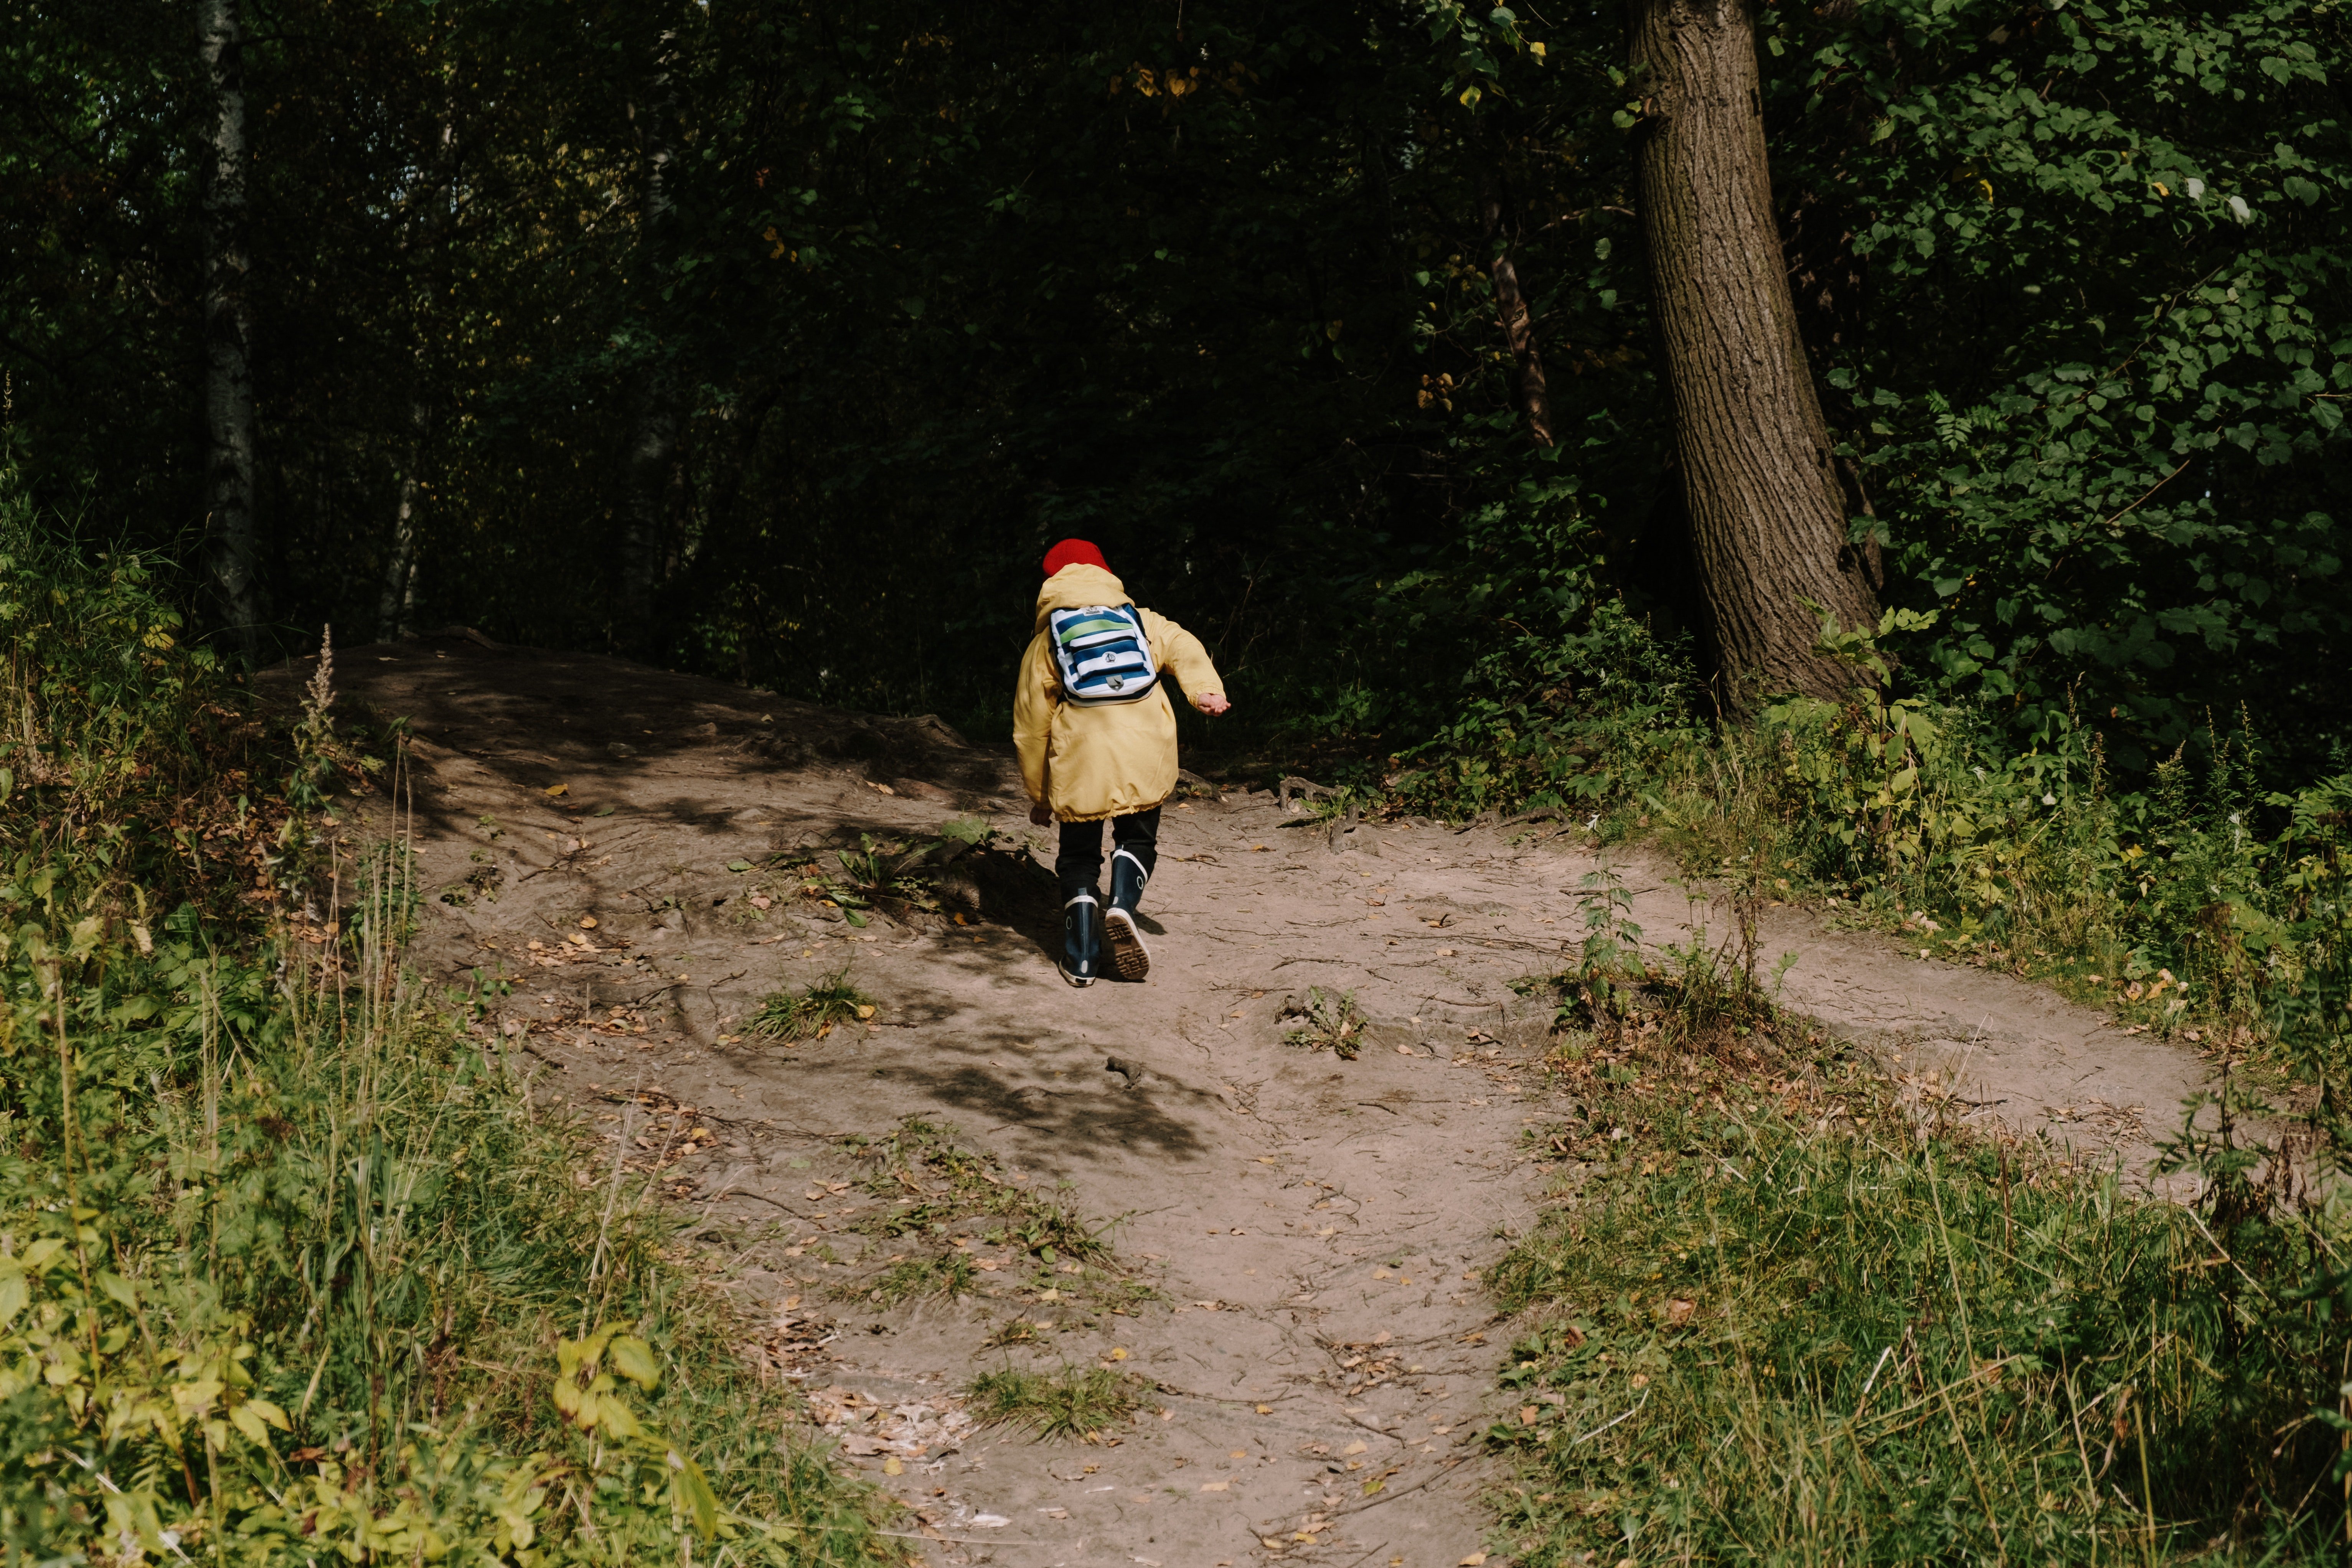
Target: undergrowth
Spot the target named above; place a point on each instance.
(289, 1267)
(1073, 1402)
(2203, 905)
(1788, 1326)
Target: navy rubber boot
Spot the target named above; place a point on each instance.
(1081, 939)
(1129, 956)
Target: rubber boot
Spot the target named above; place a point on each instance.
(1129, 956)
(1081, 939)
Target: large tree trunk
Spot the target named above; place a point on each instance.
(228, 334)
(1528, 387)
(1767, 512)
(653, 438)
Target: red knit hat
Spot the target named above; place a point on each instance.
(1074, 552)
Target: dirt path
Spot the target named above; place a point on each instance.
(1295, 1264)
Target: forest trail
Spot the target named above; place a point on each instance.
(1295, 1264)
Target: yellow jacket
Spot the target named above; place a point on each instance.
(1092, 762)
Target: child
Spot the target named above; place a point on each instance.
(1097, 739)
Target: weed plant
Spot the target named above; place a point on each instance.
(1073, 1402)
(820, 1005)
(1327, 1021)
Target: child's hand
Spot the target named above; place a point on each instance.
(1212, 703)
(1041, 816)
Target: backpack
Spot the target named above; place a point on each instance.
(1101, 654)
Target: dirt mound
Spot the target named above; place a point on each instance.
(1272, 1247)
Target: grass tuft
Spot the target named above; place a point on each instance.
(1751, 1340)
(813, 1014)
(1073, 1402)
(1328, 1022)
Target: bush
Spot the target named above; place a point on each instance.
(288, 1268)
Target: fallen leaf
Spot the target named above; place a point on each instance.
(1054, 1512)
(1118, 1353)
(1641, 1380)
(1375, 1484)
(1445, 952)
(1217, 1485)
(587, 923)
(739, 865)
(893, 1467)
(1527, 1414)
(1358, 1447)
(1265, 1410)
(865, 1010)
(1679, 1311)
(553, 790)
(1475, 1560)
(998, 1521)
(1407, 1051)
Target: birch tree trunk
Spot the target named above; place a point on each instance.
(1767, 511)
(652, 436)
(397, 605)
(229, 333)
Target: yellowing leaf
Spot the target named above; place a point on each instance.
(553, 790)
(247, 1422)
(633, 1359)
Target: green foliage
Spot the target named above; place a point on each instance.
(1076, 1402)
(1327, 1021)
(821, 1005)
(1792, 1345)
(287, 1265)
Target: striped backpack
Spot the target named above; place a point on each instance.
(1101, 654)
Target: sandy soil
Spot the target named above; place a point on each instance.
(1300, 1238)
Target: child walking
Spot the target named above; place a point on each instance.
(1097, 742)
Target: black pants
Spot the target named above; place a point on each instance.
(1080, 861)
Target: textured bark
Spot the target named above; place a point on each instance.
(1767, 517)
(228, 334)
(1527, 388)
(652, 436)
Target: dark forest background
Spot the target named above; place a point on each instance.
(776, 341)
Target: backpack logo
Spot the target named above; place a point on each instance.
(1101, 654)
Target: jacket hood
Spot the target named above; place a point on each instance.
(1074, 586)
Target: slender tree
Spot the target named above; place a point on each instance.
(1767, 511)
(653, 432)
(1518, 322)
(228, 331)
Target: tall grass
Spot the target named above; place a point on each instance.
(1799, 1348)
(290, 1268)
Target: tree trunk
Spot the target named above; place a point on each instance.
(228, 335)
(1768, 518)
(652, 436)
(1527, 388)
(397, 605)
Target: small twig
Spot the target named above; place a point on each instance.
(1390, 1492)
(1606, 1424)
